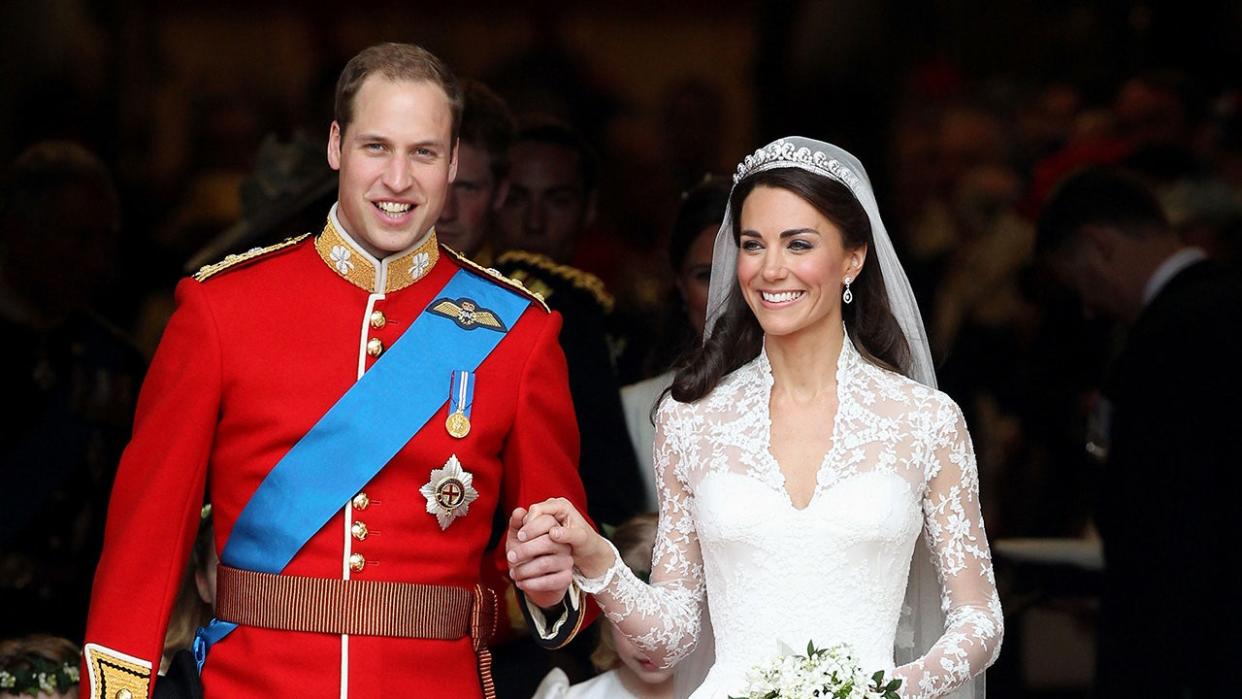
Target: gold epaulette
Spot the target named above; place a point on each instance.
(494, 274)
(207, 271)
(586, 281)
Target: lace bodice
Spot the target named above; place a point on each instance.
(901, 462)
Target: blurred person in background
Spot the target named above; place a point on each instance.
(39, 666)
(70, 381)
(482, 174)
(690, 256)
(1169, 611)
(553, 182)
(553, 192)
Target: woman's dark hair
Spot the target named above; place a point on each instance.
(737, 337)
(701, 206)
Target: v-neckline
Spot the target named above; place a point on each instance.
(769, 382)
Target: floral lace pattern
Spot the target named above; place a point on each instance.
(901, 462)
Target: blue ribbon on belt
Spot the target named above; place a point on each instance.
(362, 432)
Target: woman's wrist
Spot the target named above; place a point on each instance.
(597, 559)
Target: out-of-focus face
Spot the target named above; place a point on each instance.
(694, 277)
(547, 208)
(1081, 267)
(474, 195)
(396, 160)
(791, 263)
(636, 660)
(80, 231)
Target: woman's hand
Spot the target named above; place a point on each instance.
(540, 567)
(559, 521)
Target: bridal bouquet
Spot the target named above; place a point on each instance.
(830, 672)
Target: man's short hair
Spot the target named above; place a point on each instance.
(395, 62)
(559, 134)
(1098, 196)
(486, 123)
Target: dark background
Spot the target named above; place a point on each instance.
(960, 110)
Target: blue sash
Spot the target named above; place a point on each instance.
(360, 434)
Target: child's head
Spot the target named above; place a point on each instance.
(42, 664)
(634, 541)
(203, 559)
(194, 602)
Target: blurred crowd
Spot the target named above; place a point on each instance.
(615, 231)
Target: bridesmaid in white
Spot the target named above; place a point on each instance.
(813, 483)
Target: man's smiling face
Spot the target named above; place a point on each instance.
(396, 160)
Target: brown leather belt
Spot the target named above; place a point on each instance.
(360, 607)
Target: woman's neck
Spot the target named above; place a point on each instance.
(804, 364)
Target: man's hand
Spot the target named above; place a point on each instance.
(558, 519)
(540, 567)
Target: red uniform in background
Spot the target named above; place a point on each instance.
(260, 347)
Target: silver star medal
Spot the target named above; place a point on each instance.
(449, 492)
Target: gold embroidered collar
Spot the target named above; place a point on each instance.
(395, 272)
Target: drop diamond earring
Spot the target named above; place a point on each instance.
(848, 295)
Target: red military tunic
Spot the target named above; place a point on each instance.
(251, 359)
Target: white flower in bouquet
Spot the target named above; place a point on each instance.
(831, 673)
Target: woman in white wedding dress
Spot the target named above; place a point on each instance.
(805, 458)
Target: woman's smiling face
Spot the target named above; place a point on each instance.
(792, 262)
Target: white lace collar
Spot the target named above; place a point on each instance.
(848, 363)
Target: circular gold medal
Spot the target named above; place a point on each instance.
(458, 425)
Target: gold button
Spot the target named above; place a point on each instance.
(374, 347)
(360, 501)
(377, 319)
(124, 694)
(357, 562)
(359, 530)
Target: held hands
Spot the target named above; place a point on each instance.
(544, 545)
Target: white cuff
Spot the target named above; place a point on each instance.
(595, 585)
(572, 600)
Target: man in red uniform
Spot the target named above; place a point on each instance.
(358, 405)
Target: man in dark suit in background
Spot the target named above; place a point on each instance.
(1167, 511)
(553, 187)
(482, 174)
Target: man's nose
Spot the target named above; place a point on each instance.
(535, 216)
(397, 176)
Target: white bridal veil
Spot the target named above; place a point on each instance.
(922, 620)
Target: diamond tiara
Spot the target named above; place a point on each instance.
(785, 154)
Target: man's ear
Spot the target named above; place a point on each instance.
(453, 161)
(334, 146)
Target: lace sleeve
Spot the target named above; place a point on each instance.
(953, 526)
(662, 617)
